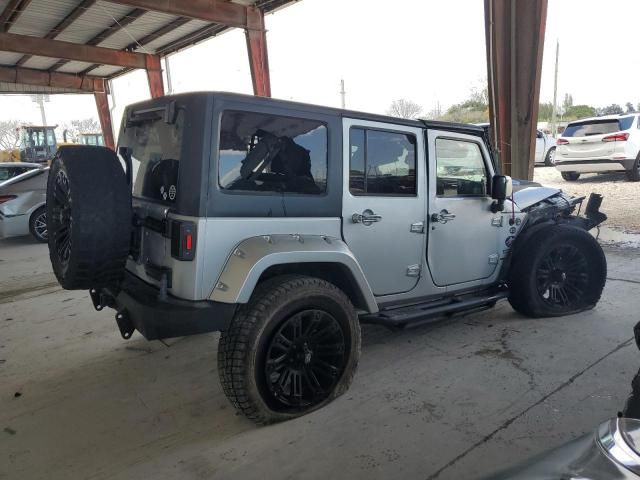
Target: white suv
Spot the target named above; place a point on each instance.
(600, 144)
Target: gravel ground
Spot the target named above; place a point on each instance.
(620, 196)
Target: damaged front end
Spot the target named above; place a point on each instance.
(546, 205)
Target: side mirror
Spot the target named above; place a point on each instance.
(501, 189)
(539, 134)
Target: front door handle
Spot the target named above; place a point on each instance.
(443, 217)
(367, 217)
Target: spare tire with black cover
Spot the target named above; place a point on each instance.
(558, 271)
(88, 216)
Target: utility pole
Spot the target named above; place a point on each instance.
(343, 94)
(554, 126)
(40, 99)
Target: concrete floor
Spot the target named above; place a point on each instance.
(451, 400)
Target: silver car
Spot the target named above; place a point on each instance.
(8, 170)
(22, 204)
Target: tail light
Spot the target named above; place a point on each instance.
(562, 141)
(6, 198)
(183, 240)
(617, 137)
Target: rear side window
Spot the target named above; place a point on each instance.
(382, 162)
(155, 149)
(271, 153)
(597, 127)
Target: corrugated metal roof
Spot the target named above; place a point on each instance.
(106, 25)
(21, 88)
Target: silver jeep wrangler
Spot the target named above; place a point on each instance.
(284, 226)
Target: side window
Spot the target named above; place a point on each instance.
(460, 169)
(270, 153)
(382, 163)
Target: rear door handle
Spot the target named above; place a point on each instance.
(367, 217)
(443, 217)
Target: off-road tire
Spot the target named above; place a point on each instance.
(34, 227)
(88, 216)
(242, 347)
(570, 176)
(548, 161)
(527, 287)
(633, 175)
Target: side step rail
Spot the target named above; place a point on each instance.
(431, 311)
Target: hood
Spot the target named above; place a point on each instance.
(528, 196)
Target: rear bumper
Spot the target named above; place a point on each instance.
(139, 307)
(594, 165)
(13, 226)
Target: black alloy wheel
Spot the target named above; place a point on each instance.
(305, 358)
(562, 277)
(60, 219)
(38, 225)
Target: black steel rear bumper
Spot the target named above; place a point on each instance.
(139, 308)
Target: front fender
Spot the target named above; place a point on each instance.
(251, 257)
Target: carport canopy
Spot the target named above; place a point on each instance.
(76, 46)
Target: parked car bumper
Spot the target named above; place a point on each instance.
(594, 165)
(13, 226)
(142, 307)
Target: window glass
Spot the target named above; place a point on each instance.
(51, 139)
(460, 168)
(597, 127)
(270, 153)
(382, 163)
(155, 156)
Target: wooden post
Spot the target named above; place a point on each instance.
(154, 76)
(257, 49)
(104, 114)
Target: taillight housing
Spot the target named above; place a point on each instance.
(562, 141)
(617, 137)
(6, 198)
(183, 240)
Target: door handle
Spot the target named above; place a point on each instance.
(443, 217)
(367, 217)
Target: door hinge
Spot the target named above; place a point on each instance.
(413, 270)
(496, 221)
(494, 258)
(417, 227)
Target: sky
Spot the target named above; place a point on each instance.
(431, 52)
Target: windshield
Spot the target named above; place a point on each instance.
(155, 149)
(598, 127)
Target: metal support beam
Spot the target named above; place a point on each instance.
(41, 78)
(216, 11)
(11, 13)
(104, 114)
(154, 76)
(515, 39)
(29, 45)
(62, 25)
(115, 27)
(257, 49)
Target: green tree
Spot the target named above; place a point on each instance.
(567, 103)
(630, 108)
(613, 109)
(576, 112)
(544, 111)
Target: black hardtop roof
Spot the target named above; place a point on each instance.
(307, 107)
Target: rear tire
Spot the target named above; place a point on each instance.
(38, 224)
(291, 350)
(89, 217)
(570, 176)
(549, 160)
(560, 270)
(633, 175)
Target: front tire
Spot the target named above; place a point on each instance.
(570, 176)
(38, 225)
(560, 270)
(291, 350)
(550, 159)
